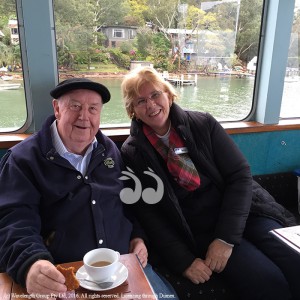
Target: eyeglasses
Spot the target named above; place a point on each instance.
(142, 102)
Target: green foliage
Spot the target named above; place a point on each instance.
(160, 51)
(79, 40)
(144, 41)
(6, 39)
(195, 17)
(3, 22)
(226, 15)
(138, 8)
(65, 58)
(74, 13)
(248, 29)
(126, 47)
(120, 59)
(101, 56)
(9, 54)
(8, 8)
(164, 14)
(108, 12)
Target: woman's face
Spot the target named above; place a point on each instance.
(152, 106)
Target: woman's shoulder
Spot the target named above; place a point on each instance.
(182, 115)
(200, 115)
(128, 144)
(203, 119)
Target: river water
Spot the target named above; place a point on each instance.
(226, 98)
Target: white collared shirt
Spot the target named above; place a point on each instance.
(79, 162)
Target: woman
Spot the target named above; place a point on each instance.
(211, 216)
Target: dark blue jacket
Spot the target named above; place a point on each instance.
(49, 210)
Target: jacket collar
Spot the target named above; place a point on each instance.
(178, 116)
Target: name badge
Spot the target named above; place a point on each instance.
(181, 150)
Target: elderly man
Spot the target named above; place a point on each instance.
(59, 195)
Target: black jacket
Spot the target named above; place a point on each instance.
(216, 155)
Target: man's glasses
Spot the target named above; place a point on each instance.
(142, 102)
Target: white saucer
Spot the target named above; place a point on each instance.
(119, 277)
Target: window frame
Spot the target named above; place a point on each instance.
(131, 34)
(118, 30)
(37, 40)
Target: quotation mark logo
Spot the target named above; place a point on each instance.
(149, 195)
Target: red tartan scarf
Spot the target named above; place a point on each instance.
(180, 166)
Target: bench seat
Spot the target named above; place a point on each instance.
(283, 187)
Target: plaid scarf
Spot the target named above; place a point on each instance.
(180, 166)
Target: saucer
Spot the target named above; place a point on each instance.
(119, 277)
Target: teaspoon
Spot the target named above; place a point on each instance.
(101, 284)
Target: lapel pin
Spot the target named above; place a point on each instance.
(109, 162)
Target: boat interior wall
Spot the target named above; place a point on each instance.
(2, 152)
(267, 152)
(270, 152)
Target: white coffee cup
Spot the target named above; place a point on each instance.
(101, 263)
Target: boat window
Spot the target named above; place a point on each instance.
(290, 107)
(13, 113)
(207, 49)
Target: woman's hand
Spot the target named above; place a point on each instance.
(198, 271)
(138, 247)
(217, 255)
(44, 279)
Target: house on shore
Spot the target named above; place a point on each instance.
(117, 34)
(251, 66)
(14, 31)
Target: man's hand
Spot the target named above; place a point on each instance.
(138, 247)
(217, 255)
(44, 279)
(198, 271)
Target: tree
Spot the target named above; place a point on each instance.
(163, 14)
(160, 51)
(144, 41)
(9, 54)
(78, 24)
(226, 15)
(137, 11)
(8, 8)
(74, 13)
(6, 55)
(248, 31)
(294, 50)
(197, 19)
(108, 12)
(74, 30)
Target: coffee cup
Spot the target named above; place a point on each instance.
(100, 264)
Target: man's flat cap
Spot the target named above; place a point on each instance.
(80, 83)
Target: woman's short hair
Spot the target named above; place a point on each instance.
(135, 79)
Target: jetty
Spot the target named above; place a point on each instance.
(180, 80)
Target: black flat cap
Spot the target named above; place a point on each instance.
(80, 83)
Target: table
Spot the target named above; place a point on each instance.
(135, 287)
(290, 236)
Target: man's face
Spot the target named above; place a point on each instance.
(78, 118)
